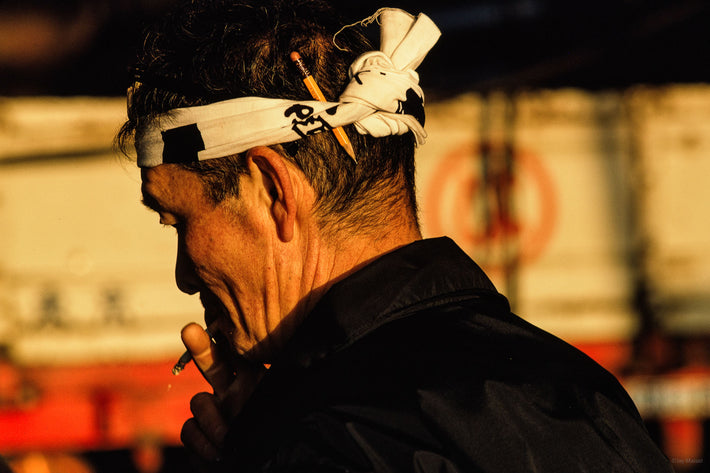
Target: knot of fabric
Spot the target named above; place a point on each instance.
(396, 100)
(386, 80)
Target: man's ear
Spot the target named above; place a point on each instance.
(276, 179)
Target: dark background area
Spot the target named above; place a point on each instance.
(83, 47)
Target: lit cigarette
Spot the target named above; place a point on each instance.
(180, 365)
(184, 359)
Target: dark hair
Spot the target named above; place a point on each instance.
(211, 50)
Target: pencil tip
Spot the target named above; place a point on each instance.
(351, 152)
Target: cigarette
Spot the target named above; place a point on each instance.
(184, 359)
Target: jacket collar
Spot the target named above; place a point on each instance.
(421, 274)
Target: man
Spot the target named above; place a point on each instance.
(344, 342)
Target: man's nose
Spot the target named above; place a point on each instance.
(185, 276)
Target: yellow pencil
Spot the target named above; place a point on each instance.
(316, 93)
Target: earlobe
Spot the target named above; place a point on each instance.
(276, 179)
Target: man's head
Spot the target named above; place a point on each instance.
(262, 233)
(209, 51)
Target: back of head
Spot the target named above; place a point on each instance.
(211, 50)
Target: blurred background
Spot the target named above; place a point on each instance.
(568, 153)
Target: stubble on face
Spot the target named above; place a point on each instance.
(221, 253)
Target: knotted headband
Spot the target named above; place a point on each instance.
(382, 98)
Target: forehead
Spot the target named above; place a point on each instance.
(169, 183)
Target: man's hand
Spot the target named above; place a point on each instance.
(233, 382)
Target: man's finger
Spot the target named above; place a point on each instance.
(204, 352)
(211, 422)
(246, 379)
(197, 442)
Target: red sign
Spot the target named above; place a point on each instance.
(94, 407)
(498, 202)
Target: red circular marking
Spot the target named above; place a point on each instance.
(466, 187)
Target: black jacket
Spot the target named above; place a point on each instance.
(416, 364)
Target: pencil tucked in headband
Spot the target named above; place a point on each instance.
(383, 98)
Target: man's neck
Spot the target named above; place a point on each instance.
(336, 258)
(323, 261)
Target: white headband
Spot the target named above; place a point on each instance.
(383, 98)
